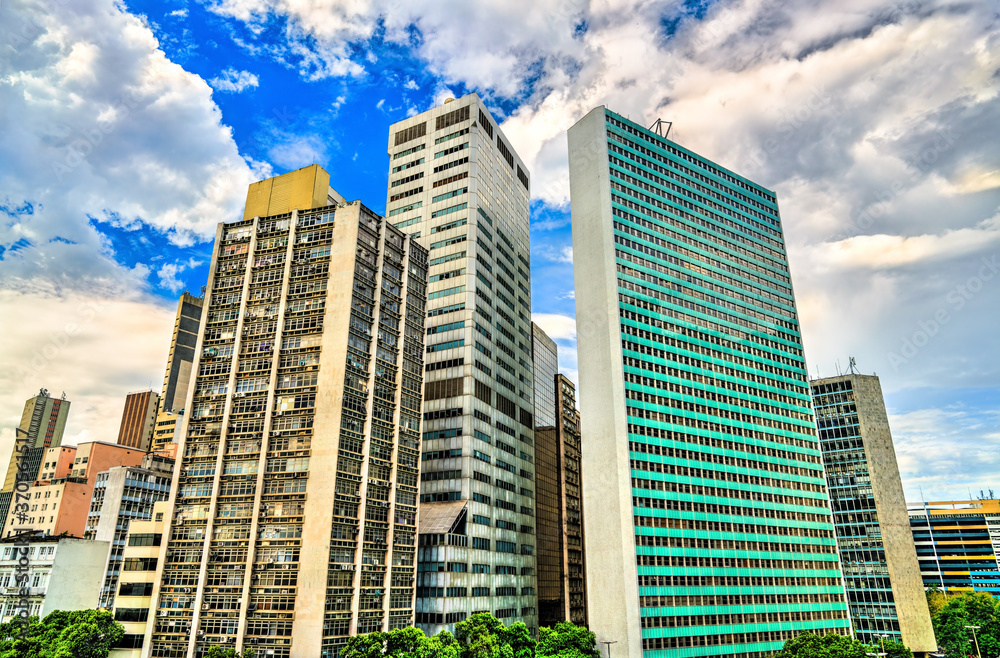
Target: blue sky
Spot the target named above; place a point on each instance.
(131, 130)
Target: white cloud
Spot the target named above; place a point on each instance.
(557, 327)
(967, 437)
(179, 13)
(294, 151)
(74, 343)
(411, 84)
(547, 252)
(168, 274)
(107, 128)
(231, 81)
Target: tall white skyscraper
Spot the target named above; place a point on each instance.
(456, 184)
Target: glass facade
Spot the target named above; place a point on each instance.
(734, 545)
(545, 361)
(562, 592)
(958, 544)
(457, 186)
(861, 510)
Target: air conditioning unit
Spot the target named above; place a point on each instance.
(163, 613)
(205, 606)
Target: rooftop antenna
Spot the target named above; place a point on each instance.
(657, 127)
(853, 367)
(839, 372)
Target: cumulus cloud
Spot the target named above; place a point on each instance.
(109, 131)
(168, 274)
(557, 327)
(967, 435)
(56, 350)
(563, 254)
(231, 81)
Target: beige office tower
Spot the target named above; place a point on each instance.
(885, 592)
(455, 183)
(292, 519)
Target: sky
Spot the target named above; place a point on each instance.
(129, 130)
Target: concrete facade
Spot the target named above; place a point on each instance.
(457, 186)
(64, 573)
(61, 504)
(123, 495)
(133, 601)
(885, 592)
(292, 517)
(612, 577)
(708, 529)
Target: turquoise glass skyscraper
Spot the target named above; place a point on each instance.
(708, 521)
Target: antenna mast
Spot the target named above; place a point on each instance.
(658, 125)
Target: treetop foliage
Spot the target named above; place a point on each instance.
(480, 636)
(62, 634)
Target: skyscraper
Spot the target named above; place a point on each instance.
(885, 593)
(545, 363)
(139, 420)
(123, 495)
(708, 523)
(292, 519)
(457, 185)
(561, 569)
(177, 376)
(181, 355)
(42, 424)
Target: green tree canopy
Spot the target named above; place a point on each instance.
(480, 636)
(566, 640)
(62, 634)
(810, 645)
(971, 609)
(218, 652)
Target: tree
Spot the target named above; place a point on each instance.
(62, 634)
(895, 649)
(484, 636)
(810, 645)
(936, 598)
(368, 645)
(215, 651)
(566, 640)
(969, 609)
